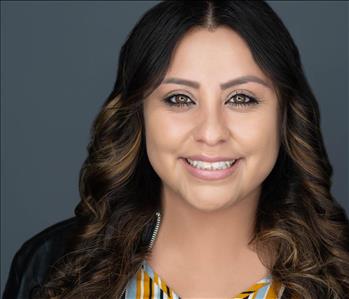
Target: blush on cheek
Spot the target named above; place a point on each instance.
(261, 150)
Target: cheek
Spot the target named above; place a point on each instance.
(164, 130)
(164, 137)
(257, 132)
(258, 141)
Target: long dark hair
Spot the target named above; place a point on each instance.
(299, 223)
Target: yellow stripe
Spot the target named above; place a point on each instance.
(146, 285)
(139, 281)
(163, 286)
(273, 290)
(257, 286)
(156, 279)
(170, 296)
(240, 296)
(271, 294)
(254, 289)
(152, 289)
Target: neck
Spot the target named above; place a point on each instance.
(205, 238)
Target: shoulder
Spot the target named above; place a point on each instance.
(34, 258)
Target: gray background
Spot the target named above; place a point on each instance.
(58, 64)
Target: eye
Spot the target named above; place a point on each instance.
(242, 100)
(182, 100)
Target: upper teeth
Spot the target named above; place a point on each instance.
(208, 165)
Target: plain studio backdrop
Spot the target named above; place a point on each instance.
(58, 64)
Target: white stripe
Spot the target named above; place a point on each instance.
(281, 291)
(160, 283)
(142, 285)
(156, 289)
(266, 292)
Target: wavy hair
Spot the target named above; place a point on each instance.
(299, 223)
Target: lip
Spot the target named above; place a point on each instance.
(210, 159)
(211, 175)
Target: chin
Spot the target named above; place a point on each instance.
(209, 204)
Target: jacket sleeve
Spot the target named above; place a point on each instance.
(12, 281)
(27, 270)
(32, 261)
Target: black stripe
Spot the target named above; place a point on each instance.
(168, 291)
(247, 292)
(150, 287)
(286, 294)
(161, 294)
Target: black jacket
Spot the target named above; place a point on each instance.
(33, 259)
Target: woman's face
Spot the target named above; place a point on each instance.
(216, 119)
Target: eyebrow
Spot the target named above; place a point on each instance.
(230, 83)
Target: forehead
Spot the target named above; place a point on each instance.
(213, 56)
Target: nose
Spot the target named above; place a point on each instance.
(211, 127)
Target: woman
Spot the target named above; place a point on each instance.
(206, 175)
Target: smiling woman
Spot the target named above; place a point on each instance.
(207, 174)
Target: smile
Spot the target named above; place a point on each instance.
(210, 171)
(210, 166)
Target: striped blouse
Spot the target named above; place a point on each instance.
(148, 284)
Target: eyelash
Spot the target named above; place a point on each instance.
(252, 100)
